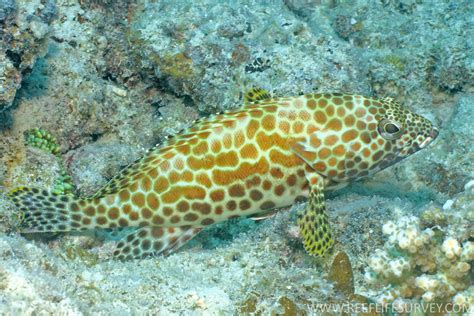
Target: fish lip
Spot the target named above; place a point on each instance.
(432, 136)
(434, 133)
(427, 140)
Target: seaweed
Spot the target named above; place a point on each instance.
(43, 140)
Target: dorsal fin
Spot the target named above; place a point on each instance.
(256, 94)
(156, 155)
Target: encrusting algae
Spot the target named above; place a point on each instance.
(248, 162)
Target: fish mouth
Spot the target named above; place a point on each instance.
(433, 134)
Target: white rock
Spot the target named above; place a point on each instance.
(119, 91)
(448, 205)
(469, 185)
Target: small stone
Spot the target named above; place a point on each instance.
(39, 29)
(448, 205)
(119, 91)
(469, 185)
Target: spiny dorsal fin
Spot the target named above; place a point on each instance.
(256, 94)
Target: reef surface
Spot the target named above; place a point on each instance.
(110, 79)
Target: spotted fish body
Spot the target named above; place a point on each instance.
(266, 155)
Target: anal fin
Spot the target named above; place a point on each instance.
(153, 241)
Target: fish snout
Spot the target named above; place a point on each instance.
(431, 137)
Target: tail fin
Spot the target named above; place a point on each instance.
(43, 211)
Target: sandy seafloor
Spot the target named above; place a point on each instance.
(110, 79)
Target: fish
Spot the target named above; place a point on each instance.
(270, 153)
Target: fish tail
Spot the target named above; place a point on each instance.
(43, 211)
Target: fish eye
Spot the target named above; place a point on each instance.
(390, 129)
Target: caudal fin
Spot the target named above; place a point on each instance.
(43, 211)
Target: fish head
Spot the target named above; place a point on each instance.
(389, 134)
(405, 131)
(363, 136)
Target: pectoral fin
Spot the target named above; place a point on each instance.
(313, 222)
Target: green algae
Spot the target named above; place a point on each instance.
(177, 66)
(396, 61)
(249, 306)
(74, 252)
(45, 141)
(42, 139)
(3, 279)
(289, 307)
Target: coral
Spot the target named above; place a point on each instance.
(465, 298)
(410, 238)
(387, 49)
(432, 264)
(24, 26)
(212, 62)
(451, 248)
(10, 79)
